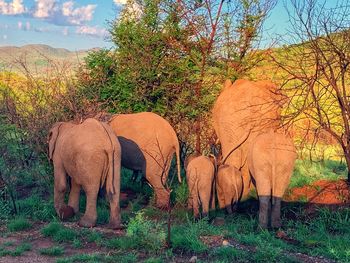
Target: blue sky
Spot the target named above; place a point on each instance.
(81, 24)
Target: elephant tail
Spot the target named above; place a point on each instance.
(240, 142)
(236, 188)
(110, 172)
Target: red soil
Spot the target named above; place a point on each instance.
(323, 192)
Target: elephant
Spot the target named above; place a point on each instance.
(229, 186)
(90, 154)
(242, 110)
(271, 159)
(200, 172)
(148, 143)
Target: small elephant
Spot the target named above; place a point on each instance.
(89, 153)
(271, 159)
(200, 172)
(229, 185)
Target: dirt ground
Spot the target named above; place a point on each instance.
(322, 193)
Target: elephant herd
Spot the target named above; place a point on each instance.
(255, 151)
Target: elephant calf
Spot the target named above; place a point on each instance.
(271, 159)
(200, 172)
(89, 153)
(229, 185)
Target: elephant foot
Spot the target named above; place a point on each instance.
(276, 223)
(86, 222)
(66, 212)
(115, 225)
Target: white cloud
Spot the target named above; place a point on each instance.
(120, 2)
(92, 31)
(78, 15)
(15, 7)
(63, 14)
(44, 8)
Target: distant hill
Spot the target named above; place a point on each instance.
(39, 58)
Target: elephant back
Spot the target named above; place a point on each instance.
(244, 107)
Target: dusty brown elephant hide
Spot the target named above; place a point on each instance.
(148, 143)
(242, 111)
(271, 159)
(89, 153)
(200, 173)
(229, 187)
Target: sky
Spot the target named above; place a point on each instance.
(82, 24)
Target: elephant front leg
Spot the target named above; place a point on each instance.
(276, 212)
(74, 196)
(90, 216)
(264, 207)
(155, 180)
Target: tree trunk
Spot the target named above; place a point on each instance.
(198, 136)
(347, 158)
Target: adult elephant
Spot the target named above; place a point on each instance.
(242, 111)
(148, 143)
(89, 153)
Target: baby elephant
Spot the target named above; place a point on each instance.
(271, 159)
(89, 153)
(200, 172)
(229, 185)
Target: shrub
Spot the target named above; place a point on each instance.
(18, 224)
(52, 251)
(146, 233)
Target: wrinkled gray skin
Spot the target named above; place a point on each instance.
(271, 159)
(229, 186)
(89, 153)
(148, 143)
(200, 173)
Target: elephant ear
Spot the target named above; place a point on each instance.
(52, 138)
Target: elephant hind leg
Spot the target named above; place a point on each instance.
(74, 196)
(276, 212)
(264, 208)
(60, 187)
(205, 201)
(90, 216)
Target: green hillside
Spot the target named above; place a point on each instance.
(38, 58)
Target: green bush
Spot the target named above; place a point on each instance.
(52, 251)
(146, 233)
(18, 224)
(59, 233)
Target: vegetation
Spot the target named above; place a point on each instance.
(172, 59)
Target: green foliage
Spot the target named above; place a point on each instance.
(18, 224)
(187, 236)
(18, 251)
(37, 208)
(306, 172)
(146, 233)
(181, 194)
(52, 251)
(92, 258)
(59, 233)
